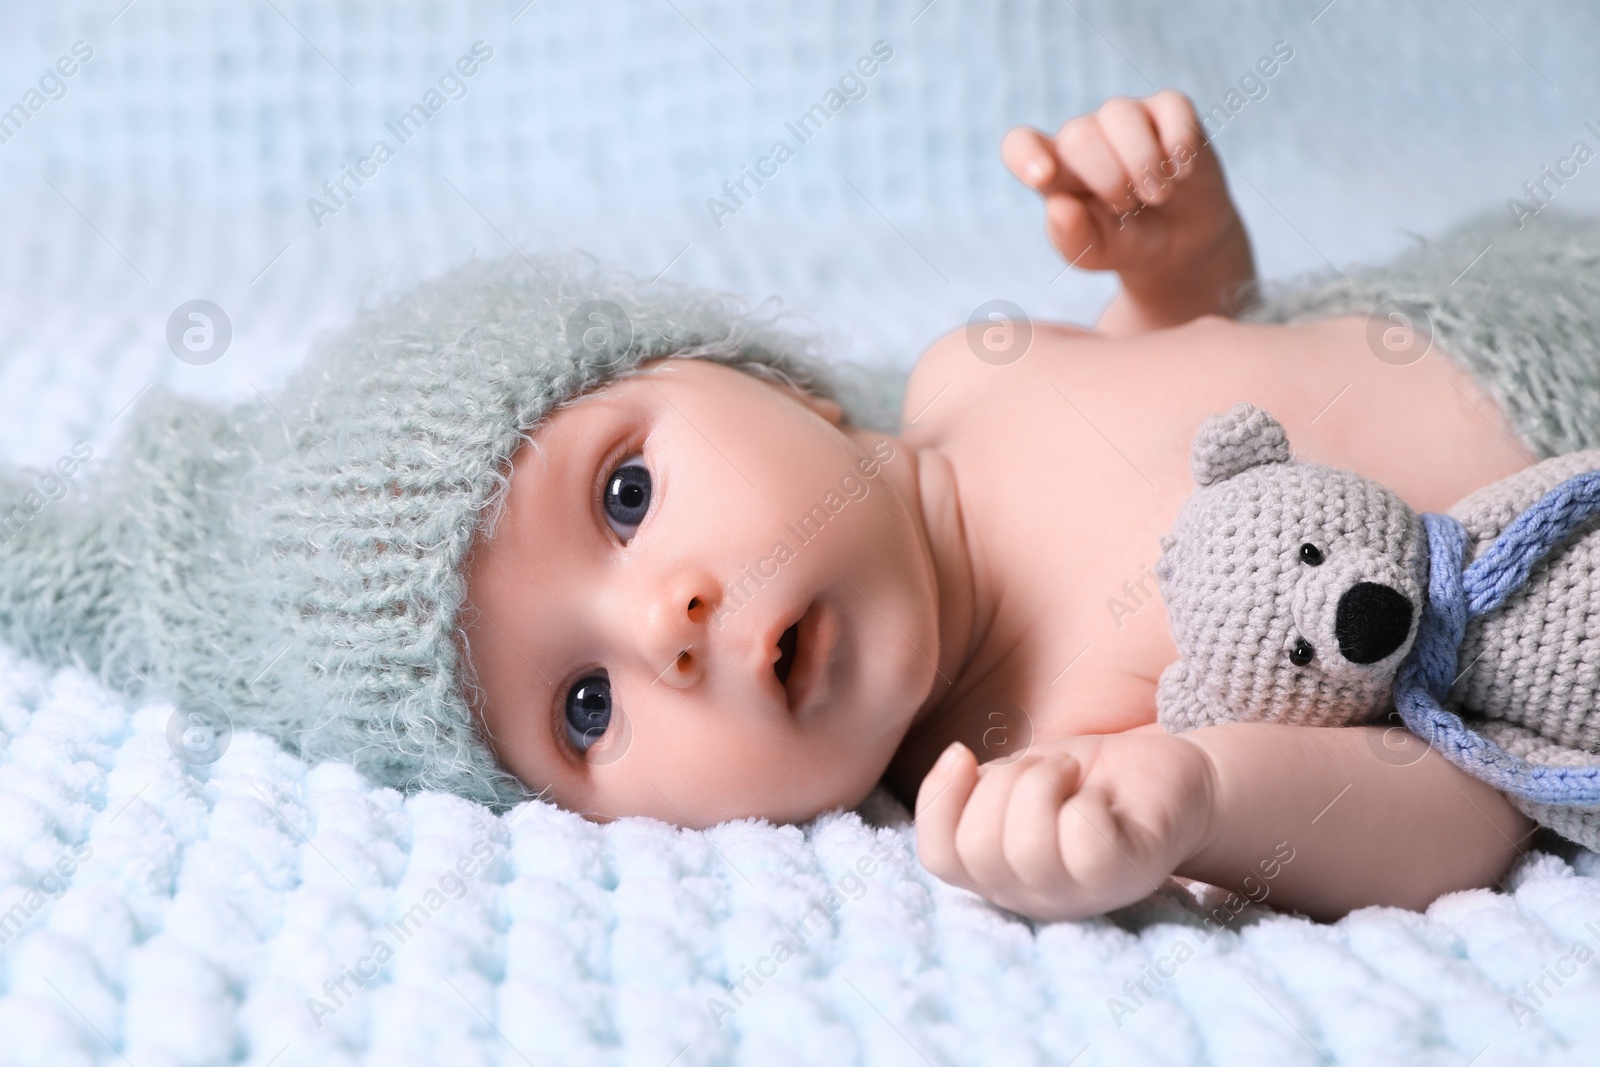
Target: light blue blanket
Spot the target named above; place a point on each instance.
(260, 911)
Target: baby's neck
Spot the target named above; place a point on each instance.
(926, 482)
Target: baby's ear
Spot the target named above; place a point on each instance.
(1242, 437)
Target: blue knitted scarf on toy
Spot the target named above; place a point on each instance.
(1457, 594)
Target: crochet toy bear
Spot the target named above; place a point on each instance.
(1299, 593)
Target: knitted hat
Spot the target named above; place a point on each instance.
(297, 560)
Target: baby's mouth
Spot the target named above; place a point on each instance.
(788, 645)
(804, 650)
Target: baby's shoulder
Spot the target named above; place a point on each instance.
(942, 370)
(967, 366)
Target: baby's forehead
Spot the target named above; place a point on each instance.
(600, 411)
(628, 384)
(609, 399)
(641, 385)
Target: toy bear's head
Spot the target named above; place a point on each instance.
(1293, 589)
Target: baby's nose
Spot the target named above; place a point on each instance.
(670, 617)
(684, 670)
(1372, 620)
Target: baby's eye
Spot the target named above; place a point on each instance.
(627, 496)
(588, 710)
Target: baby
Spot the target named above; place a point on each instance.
(530, 530)
(958, 601)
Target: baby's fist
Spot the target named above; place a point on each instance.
(1074, 828)
(1133, 187)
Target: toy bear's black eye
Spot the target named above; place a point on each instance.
(1302, 651)
(1310, 554)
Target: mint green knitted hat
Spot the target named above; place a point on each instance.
(296, 560)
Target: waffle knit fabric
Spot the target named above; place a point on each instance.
(295, 562)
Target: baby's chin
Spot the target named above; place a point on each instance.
(804, 813)
(780, 810)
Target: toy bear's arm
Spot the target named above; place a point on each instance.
(1178, 702)
(1489, 510)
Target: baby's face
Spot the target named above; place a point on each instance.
(705, 600)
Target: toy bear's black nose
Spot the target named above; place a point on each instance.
(1372, 621)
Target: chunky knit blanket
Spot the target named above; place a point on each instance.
(156, 912)
(262, 911)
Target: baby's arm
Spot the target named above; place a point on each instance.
(1136, 188)
(1312, 819)
(1365, 828)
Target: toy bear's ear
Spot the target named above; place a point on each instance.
(1243, 437)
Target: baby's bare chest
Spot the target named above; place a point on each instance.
(1075, 459)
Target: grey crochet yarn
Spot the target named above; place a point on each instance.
(296, 560)
(1261, 559)
(1295, 592)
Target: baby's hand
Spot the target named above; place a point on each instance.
(1074, 828)
(1133, 187)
